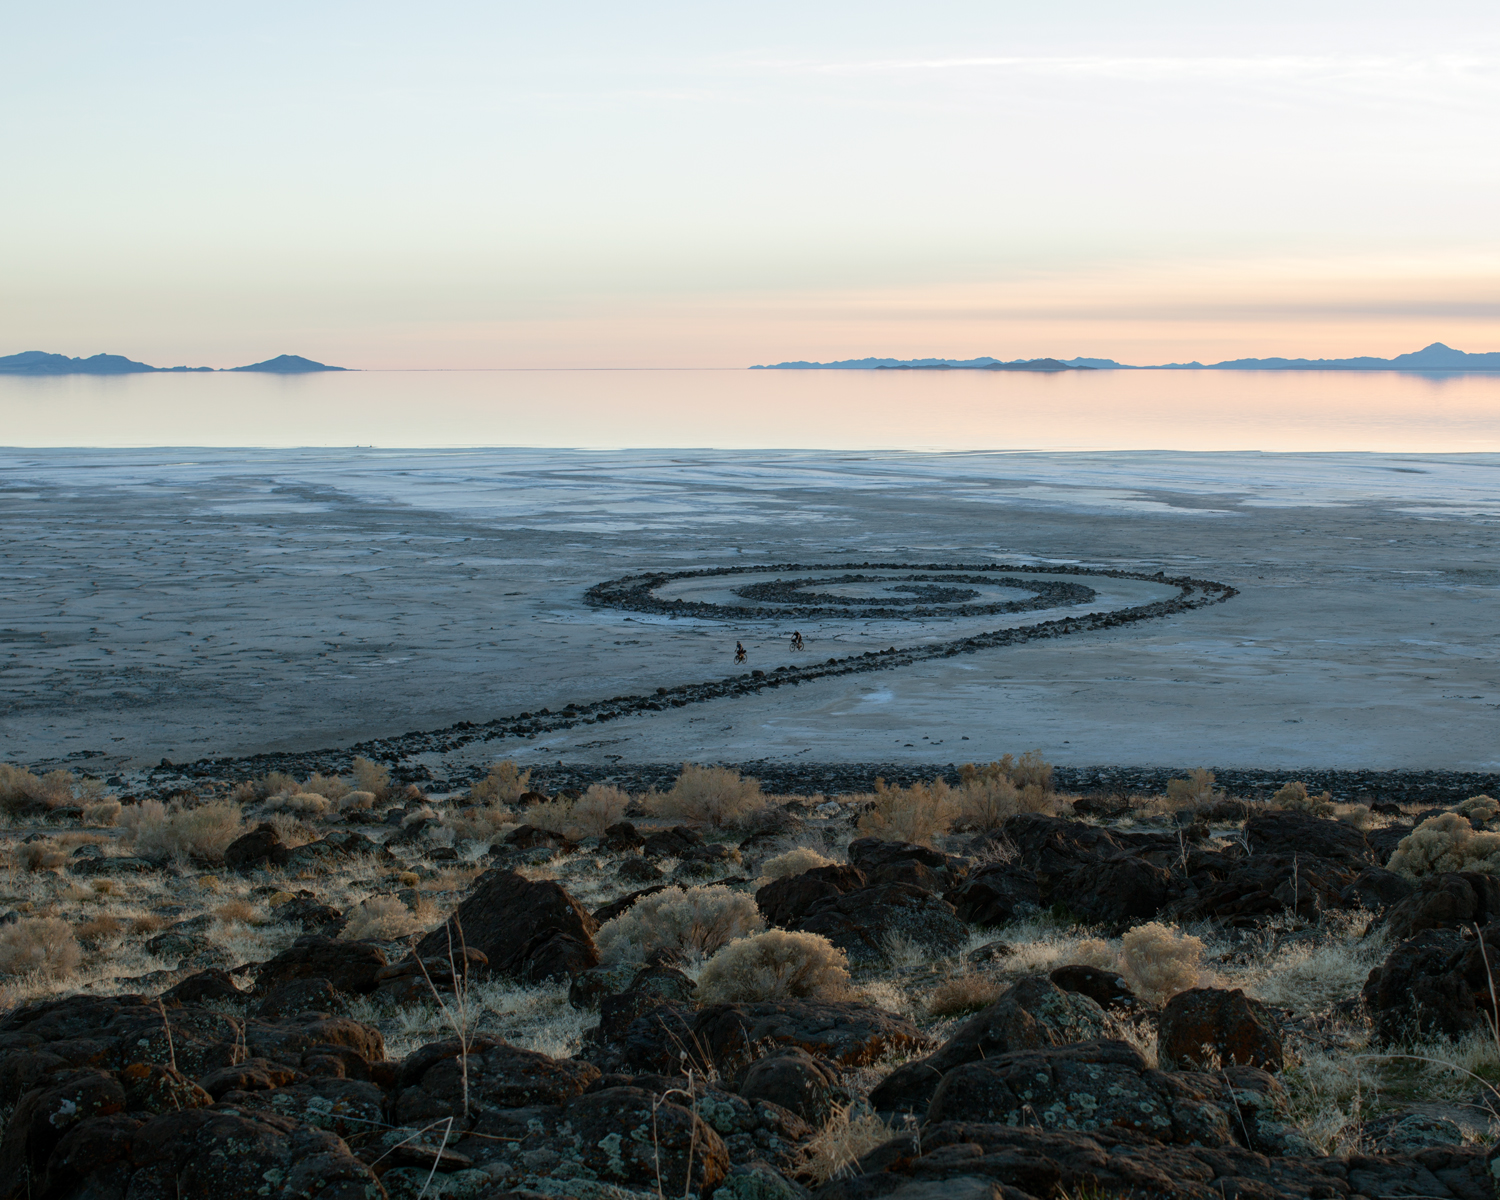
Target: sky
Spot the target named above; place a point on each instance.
(654, 185)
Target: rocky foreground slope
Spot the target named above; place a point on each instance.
(1018, 1013)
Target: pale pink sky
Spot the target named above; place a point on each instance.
(472, 185)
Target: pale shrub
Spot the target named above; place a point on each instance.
(20, 788)
(1446, 843)
(774, 965)
(505, 784)
(42, 856)
(987, 797)
(356, 800)
(277, 783)
(794, 862)
(917, 814)
(1196, 789)
(1486, 808)
(291, 830)
(380, 918)
(302, 804)
(106, 812)
(696, 920)
(330, 787)
(1159, 961)
(371, 777)
(203, 832)
(713, 795)
(1293, 797)
(588, 816)
(40, 946)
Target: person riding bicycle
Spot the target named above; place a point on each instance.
(796, 639)
(739, 652)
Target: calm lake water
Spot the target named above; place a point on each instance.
(737, 409)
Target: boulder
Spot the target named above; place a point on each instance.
(957, 1160)
(997, 894)
(1265, 885)
(529, 837)
(681, 841)
(1107, 989)
(1206, 1028)
(1383, 842)
(615, 907)
(864, 924)
(299, 996)
(1448, 901)
(639, 870)
(789, 899)
(212, 984)
(631, 1138)
(1116, 892)
(621, 838)
(1432, 983)
(1376, 888)
(430, 1082)
(202, 1154)
(903, 862)
(1034, 1014)
(1090, 1085)
(515, 923)
(846, 1032)
(648, 987)
(253, 849)
(794, 1080)
(349, 967)
(1300, 833)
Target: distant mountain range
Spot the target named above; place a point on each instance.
(37, 362)
(1436, 357)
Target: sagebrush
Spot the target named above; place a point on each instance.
(794, 862)
(916, 814)
(1443, 843)
(1160, 960)
(775, 965)
(202, 832)
(714, 796)
(695, 921)
(41, 946)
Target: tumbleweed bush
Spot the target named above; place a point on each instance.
(180, 832)
(916, 814)
(41, 946)
(1160, 960)
(1446, 842)
(695, 920)
(794, 862)
(774, 965)
(715, 796)
(505, 784)
(382, 918)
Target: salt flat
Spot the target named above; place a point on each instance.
(184, 604)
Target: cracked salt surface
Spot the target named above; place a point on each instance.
(249, 600)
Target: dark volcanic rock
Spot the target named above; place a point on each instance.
(630, 1137)
(864, 923)
(525, 929)
(430, 1081)
(1431, 984)
(783, 901)
(1300, 833)
(1107, 989)
(349, 967)
(1448, 901)
(253, 849)
(841, 1031)
(1090, 1085)
(997, 894)
(1376, 888)
(1116, 892)
(1267, 884)
(1034, 1014)
(1205, 1028)
(794, 1080)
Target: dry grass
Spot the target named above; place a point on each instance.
(846, 1138)
(105, 812)
(181, 832)
(696, 921)
(20, 788)
(381, 918)
(918, 814)
(712, 796)
(300, 804)
(965, 992)
(775, 965)
(40, 946)
(238, 910)
(41, 856)
(1446, 843)
(100, 927)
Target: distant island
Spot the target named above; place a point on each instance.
(38, 362)
(1436, 357)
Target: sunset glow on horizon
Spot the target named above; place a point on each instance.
(675, 186)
